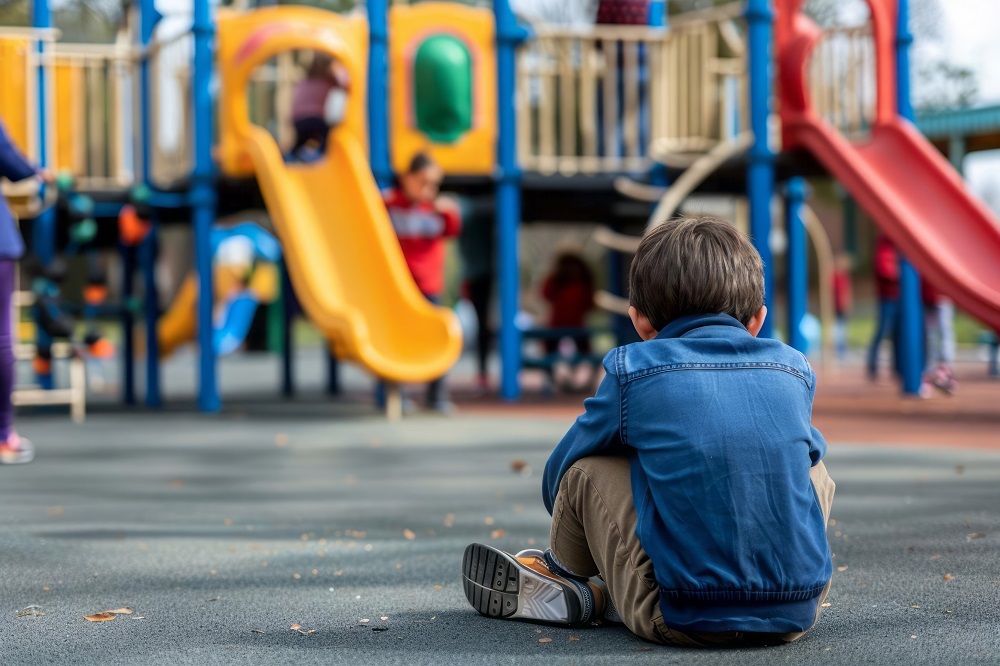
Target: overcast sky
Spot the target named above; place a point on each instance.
(972, 39)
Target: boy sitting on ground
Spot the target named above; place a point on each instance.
(689, 501)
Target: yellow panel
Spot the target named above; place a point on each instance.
(69, 121)
(17, 97)
(475, 152)
(248, 39)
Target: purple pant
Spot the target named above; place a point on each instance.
(6, 347)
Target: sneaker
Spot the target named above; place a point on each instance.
(16, 451)
(523, 587)
(944, 379)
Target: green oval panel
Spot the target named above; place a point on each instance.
(442, 74)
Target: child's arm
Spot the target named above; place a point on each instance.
(448, 209)
(13, 165)
(596, 432)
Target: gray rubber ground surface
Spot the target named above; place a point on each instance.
(210, 530)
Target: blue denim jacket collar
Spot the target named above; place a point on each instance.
(683, 325)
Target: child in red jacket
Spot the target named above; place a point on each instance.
(423, 220)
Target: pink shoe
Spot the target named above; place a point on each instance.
(16, 450)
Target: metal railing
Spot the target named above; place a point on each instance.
(595, 99)
(842, 79)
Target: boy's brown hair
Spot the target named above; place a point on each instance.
(696, 265)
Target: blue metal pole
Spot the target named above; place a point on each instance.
(147, 251)
(797, 270)
(911, 306)
(203, 201)
(760, 167)
(43, 237)
(378, 92)
(508, 197)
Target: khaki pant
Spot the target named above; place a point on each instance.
(593, 532)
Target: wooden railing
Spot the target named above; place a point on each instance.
(171, 105)
(595, 99)
(842, 78)
(93, 87)
(269, 96)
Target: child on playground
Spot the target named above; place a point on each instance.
(690, 500)
(423, 220)
(569, 291)
(318, 103)
(13, 166)
(843, 300)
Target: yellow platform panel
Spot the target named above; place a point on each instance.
(17, 92)
(409, 25)
(69, 129)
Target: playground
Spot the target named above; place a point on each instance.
(221, 335)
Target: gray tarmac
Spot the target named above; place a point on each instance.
(221, 532)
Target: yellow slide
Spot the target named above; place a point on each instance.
(345, 263)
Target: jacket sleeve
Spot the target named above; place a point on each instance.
(596, 432)
(13, 165)
(452, 222)
(817, 443)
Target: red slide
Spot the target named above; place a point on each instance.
(897, 176)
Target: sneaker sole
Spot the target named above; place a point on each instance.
(497, 585)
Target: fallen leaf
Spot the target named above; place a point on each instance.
(121, 611)
(976, 535)
(914, 606)
(437, 587)
(295, 626)
(544, 640)
(947, 612)
(364, 621)
(913, 635)
(176, 483)
(100, 617)
(139, 617)
(45, 589)
(297, 576)
(339, 572)
(498, 534)
(213, 572)
(409, 534)
(832, 522)
(383, 618)
(826, 605)
(281, 439)
(315, 572)
(227, 521)
(489, 520)
(257, 631)
(517, 465)
(573, 638)
(306, 633)
(934, 557)
(949, 577)
(55, 511)
(843, 568)
(449, 519)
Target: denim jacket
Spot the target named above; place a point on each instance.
(717, 426)
(13, 166)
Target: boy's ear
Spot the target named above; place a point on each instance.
(757, 321)
(641, 323)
